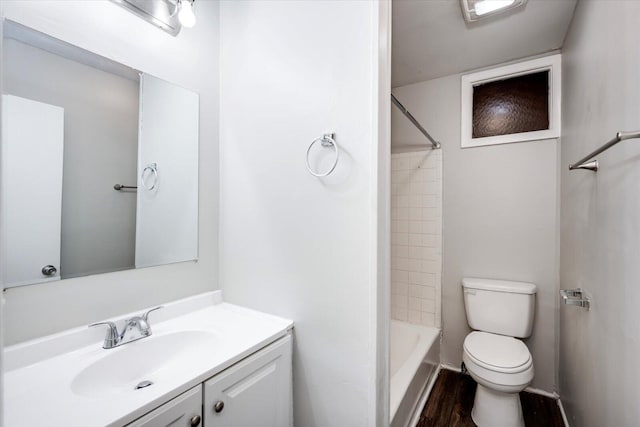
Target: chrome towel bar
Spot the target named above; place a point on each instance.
(592, 165)
(124, 187)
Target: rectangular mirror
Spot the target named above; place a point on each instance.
(99, 164)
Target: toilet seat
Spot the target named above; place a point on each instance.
(497, 353)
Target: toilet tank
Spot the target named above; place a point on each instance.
(500, 306)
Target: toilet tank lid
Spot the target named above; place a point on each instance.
(498, 285)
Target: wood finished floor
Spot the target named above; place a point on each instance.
(451, 401)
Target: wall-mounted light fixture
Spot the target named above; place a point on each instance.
(473, 10)
(168, 15)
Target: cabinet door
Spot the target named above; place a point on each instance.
(253, 392)
(183, 411)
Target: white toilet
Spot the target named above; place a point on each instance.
(500, 312)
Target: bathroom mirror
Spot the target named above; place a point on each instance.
(99, 164)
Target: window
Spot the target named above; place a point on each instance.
(514, 103)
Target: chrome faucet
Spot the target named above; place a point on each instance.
(134, 329)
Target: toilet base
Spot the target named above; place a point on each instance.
(496, 409)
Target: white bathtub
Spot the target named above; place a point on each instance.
(415, 356)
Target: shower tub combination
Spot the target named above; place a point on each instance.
(415, 357)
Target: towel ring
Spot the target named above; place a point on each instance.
(153, 168)
(327, 140)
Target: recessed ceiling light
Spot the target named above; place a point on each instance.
(472, 10)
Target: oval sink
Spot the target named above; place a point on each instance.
(148, 359)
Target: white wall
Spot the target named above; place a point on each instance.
(189, 60)
(499, 218)
(100, 150)
(600, 349)
(416, 237)
(292, 244)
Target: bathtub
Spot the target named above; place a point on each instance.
(415, 357)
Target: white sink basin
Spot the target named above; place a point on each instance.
(152, 359)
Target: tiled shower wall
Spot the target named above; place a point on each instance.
(416, 237)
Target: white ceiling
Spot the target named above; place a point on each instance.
(431, 38)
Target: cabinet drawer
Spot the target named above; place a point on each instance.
(183, 411)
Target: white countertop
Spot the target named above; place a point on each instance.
(39, 373)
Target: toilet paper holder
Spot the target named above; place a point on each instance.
(575, 297)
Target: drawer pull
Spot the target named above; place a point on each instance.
(219, 406)
(195, 421)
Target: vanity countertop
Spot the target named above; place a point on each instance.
(48, 381)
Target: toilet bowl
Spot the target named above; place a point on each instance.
(502, 366)
(500, 363)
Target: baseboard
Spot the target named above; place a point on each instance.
(450, 367)
(564, 414)
(534, 390)
(423, 399)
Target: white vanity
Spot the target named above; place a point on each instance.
(206, 363)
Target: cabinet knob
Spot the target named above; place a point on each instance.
(195, 421)
(49, 270)
(218, 406)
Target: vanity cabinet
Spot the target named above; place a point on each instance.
(257, 391)
(183, 411)
(253, 392)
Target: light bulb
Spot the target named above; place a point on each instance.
(186, 15)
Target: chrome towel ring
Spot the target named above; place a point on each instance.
(153, 169)
(326, 140)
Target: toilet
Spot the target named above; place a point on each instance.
(500, 313)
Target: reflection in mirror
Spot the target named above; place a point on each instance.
(99, 164)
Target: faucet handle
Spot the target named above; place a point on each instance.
(145, 316)
(112, 337)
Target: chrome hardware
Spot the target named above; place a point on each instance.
(143, 384)
(590, 166)
(327, 140)
(434, 144)
(219, 406)
(145, 316)
(195, 421)
(153, 169)
(112, 338)
(134, 329)
(575, 297)
(584, 162)
(49, 270)
(119, 187)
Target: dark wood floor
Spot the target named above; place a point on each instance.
(451, 401)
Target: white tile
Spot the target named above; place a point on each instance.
(415, 201)
(415, 316)
(427, 214)
(428, 292)
(415, 226)
(415, 291)
(415, 239)
(415, 304)
(403, 226)
(415, 265)
(427, 305)
(400, 288)
(403, 201)
(401, 263)
(427, 319)
(415, 278)
(400, 251)
(428, 279)
(399, 276)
